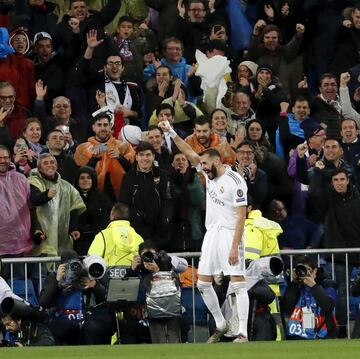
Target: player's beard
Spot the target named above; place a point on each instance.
(212, 173)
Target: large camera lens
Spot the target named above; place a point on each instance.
(148, 257)
(96, 270)
(75, 266)
(301, 271)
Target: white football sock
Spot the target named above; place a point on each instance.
(242, 306)
(210, 299)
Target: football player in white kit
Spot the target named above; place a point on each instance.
(223, 246)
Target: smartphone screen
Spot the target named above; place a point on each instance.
(103, 147)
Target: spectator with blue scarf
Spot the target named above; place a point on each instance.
(173, 50)
(289, 133)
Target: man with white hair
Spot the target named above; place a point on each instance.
(58, 206)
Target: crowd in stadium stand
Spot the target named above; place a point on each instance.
(272, 85)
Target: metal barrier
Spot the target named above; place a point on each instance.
(192, 256)
(26, 261)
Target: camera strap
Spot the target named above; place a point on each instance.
(103, 255)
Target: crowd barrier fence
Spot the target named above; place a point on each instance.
(192, 257)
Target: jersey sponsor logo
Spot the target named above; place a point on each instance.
(214, 198)
(239, 200)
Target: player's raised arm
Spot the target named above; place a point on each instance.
(184, 147)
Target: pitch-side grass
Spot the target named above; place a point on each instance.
(327, 349)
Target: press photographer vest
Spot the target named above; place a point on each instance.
(163, 299)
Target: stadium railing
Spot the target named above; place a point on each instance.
(192, 257)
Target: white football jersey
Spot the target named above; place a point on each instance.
(223, 195)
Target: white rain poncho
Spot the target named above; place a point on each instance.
(54, 216)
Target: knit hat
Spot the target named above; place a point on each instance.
(21, 31)
(310, 127)
(68, 254)
(264, 67)
(131, 134)
(252, 66)
(41, 36)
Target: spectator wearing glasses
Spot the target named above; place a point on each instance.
(256, 178)
(193, 23)
(12, 124)
(74, 129)
(172, 50)
(109, 87)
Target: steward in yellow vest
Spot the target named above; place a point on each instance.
(261, 241)
(118, 242)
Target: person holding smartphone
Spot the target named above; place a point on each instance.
(110, 157)
(22, 157)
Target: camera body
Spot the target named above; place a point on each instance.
(149, 257)
(301, 271)
(162, 259)
(74, 271)
(93, 267)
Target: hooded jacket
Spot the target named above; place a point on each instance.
(15, 220)
(54, 214)
(97, 214)
(20, 71)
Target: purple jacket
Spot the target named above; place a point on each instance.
(299, 195)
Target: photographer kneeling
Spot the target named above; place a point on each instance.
(309, 302)
(73, 297)
(23, 325)
(158, 271)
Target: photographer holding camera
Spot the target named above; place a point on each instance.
(74, 296)
(309, 302)
(23, 324)
(160, 281)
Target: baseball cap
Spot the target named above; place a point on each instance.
(41, 36)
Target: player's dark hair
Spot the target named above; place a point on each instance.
(211, 152)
